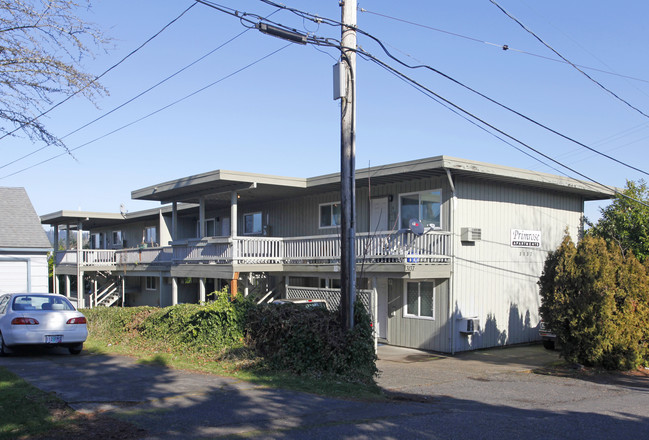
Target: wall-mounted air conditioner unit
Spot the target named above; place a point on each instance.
(471, 234)
(468, 326)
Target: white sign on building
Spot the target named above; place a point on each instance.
(523, 238)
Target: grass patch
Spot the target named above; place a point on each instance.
(240, 365)
(154, 337)
(27, 413)
(24, 410)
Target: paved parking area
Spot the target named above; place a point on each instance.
(419, 372)
(488, 394)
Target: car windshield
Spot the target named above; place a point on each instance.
(41, 302)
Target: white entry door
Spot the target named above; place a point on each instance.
(378, 214)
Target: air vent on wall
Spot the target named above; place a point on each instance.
(471, 234)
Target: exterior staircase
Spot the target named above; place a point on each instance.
(108, 293)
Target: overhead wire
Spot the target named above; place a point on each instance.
(335, 43)
(152, 113)
(602, 86)
(461, 84)
(491, 126)
(97, 77)
(504, 47)
(493, 101)
(314, 17)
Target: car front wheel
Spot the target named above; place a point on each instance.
(76, 349)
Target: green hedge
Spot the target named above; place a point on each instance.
(285, 337)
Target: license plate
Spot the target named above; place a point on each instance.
(53, 339)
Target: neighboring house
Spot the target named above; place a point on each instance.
(468, 281)
(23, 244)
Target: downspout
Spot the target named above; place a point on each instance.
(451, 291)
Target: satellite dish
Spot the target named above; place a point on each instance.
(416, 226)
(122, 210)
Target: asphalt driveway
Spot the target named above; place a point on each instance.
(490, 394)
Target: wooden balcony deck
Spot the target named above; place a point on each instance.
(385, 247)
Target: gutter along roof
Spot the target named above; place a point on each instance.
(91, 220)
(216, 186)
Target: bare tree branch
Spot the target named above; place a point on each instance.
(42, 46)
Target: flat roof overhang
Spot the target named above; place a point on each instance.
(91, 220)
(215, 187)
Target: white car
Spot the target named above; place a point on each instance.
(40, 319)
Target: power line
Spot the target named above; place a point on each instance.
(448, 77)
(98, 77)
(569, 62)
(136, 96)
(152, 113)
(491, 126)
(482, 95)
(504, 47)
(315, 40)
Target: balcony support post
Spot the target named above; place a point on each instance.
(201, 217)
(234, 200)
(174, 221)
(80, 298)
(174, 291)
(201, 290)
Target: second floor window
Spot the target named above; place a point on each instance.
(252, 223)
(150, 234)
(424, 206)
(117, 237)
(330, 215)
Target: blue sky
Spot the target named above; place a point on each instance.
(278, 116)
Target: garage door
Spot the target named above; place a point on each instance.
(13, 276)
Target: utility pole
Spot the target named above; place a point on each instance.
(348, 164)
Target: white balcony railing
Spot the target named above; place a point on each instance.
(385, 247)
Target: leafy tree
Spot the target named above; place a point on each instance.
(625, 222)
(596, 300)
(42, 44)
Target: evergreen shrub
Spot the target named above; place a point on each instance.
(596, 300)
(311, 341)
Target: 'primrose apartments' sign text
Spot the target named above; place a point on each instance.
(522, 238)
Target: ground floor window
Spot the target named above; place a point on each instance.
(151, 283)
(420, 299)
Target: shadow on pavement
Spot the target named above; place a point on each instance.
(173, 404)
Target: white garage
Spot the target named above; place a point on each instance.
(23, 244)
